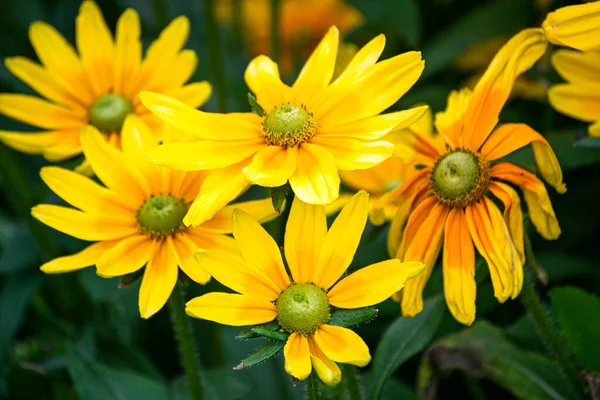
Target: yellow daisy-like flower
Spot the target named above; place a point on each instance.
(316, 258)
(575, 26)
(302, 23)
(97, 86)
(450, 200)
(308, 131)
(136, 218)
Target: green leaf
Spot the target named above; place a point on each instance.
(268, 350)
(218, 384)
(271, 334)
(250, 333)
(255, 106)
(95, 381)
(403, 339)
(350, 318)
(278, 197)
(577, 315)
(483, 351)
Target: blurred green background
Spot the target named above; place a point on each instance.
(79, 336)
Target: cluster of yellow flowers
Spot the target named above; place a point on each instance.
(169, 173)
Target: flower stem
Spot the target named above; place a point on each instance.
(275, 11)
(543, 322)
(185, 340)
(216, 54)
(312, 390)
(352, 382)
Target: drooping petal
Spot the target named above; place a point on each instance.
(231, 309)
(236, 273)
(513, 216)
(537, 199)
(373, 284)
(128, 50)
(262, 77)
(316, 179)
(260, 210)
(183, 248)
(128, 256)
(459, 268)
(342, 345)
(259, 249)
(160, 277)
(304, 235)
(449, 122)
(328, 370)
(297, 356)
(85, 258)
(575, 26)
(341, 242)
(494, 87)
(272, 166)
(85, 226)
(351, 153)
(580, 101)
(510, 137)
(577, 67)
(38, 112)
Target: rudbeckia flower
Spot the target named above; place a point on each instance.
(317, 259)
(135, 220)
(575, 26)
(305, 133)
(99, 84)
(451, 200)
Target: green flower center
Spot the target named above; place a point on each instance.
(288, 125)
(162, 216)
(459, 177)
(109, 112)
(302, 308)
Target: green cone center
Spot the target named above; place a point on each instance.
(456, 174)
(288, 125)
(109, 112)
(302, 308)
(162, 215)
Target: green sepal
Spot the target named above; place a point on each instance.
(278, 197)
(251, 334)
(266, 351)
(255, 106)
(350, 318)
(128, 279)
(269, 334)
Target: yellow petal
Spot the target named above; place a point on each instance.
(577, 67)
(593, 130)
(128, 50)
(328, 370)
(183, 248)
(63, 149)
(304, 234)
(575, 26)
(194, 95)
(459, 268)
(316, 180)
(41, 113)
(85, 226)
(342, 345)
(580, 101)
(183, 67)
(272, 166)
(259, 249)
(206, 240)
(351, 154)
(513, 216)
(262, 77)
(260, 210)
(373, 284)
(341, 242)
(128, 256)
(297, 356)
(510, 137)
(237, 274)
(34, 143)
(160, 277)
(231, 309)
(449, 121)
(318, 70)
(85, 258)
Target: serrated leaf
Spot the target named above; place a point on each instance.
(577, 315)
(265, 352)
(270, 334)
(350, 318)
(247, 334)
(402, 340)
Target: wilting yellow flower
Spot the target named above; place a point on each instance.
(575, 26)
(580, 97)
(302, 23)
(136, 218)
(449, 198)
(317, 259)
(98, 85)
(309, 131)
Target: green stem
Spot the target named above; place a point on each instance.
(312, 390)
(185, 340)
(216, 54)
(352, 383)
(275, 11)
(539, 270)
(551, 338)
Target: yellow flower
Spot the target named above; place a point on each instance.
(575, 26)
(99, 84)
(317, 259)
(136, 218)
(302, 23)
(310, 131)
(450, 200)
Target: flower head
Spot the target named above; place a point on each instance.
(450, 200)
(575, 26)
(97, 85)
(304, 133)
(135, 219)
(317, 259)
